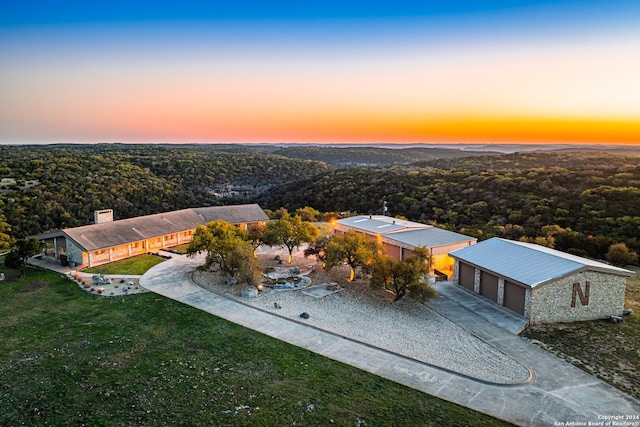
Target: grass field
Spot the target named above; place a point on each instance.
(70, 358)
(609, 351)
(137, 265)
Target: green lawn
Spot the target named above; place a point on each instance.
(609, 351)
(180, 249)
(137, 265)
(70, 358)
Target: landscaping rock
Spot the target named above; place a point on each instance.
(304, 315)
(232, 281)
(249, 293)
(294, 270)
(627, 312)
(333, 286)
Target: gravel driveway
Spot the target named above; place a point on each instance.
(405, 327)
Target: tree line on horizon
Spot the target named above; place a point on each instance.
(577, 202)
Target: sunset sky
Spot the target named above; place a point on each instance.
(296, 71)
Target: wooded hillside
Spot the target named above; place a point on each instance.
(341, 157)
(590, 200)
(56, 186)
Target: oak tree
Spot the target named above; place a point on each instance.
(291, 232)
(357, 250)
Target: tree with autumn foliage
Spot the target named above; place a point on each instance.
(619, 254)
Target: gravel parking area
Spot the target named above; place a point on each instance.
(370, 316)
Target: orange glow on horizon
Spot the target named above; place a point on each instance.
(378, 129)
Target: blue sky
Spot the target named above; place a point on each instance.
(19, 13)
(319, 71)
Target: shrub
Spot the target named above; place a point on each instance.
(619, 254)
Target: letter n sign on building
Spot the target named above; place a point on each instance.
(577, 291)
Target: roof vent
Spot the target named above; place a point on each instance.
(105, 215)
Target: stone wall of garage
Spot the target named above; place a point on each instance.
(552, 302)
(74, 253)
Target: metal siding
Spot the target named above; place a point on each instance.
(514, 297)
(527, 263)
(392, 250)
(442, 250)
(489, 286)
(407, 253)
(467, 276)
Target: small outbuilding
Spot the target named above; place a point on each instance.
(542, 284)
(401, 237)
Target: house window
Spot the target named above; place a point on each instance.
(134, 245)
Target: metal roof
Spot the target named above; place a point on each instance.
(377, 223)
(528, 263)
(430, 237)
(405, 232)
(105, 235)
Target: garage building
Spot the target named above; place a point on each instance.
(400, 237)
(542, 284)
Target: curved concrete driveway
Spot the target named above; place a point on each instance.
(560, 392)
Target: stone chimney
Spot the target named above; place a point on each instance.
(105, 215)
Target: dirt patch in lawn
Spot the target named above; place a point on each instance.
(35, 285)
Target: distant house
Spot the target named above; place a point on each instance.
(109, 240)
(400, 238)
(542, 284)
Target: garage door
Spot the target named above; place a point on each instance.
(392, 251)
(514, 297)
(489, 286)
(467, 275)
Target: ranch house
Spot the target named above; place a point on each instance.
(107, 240)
